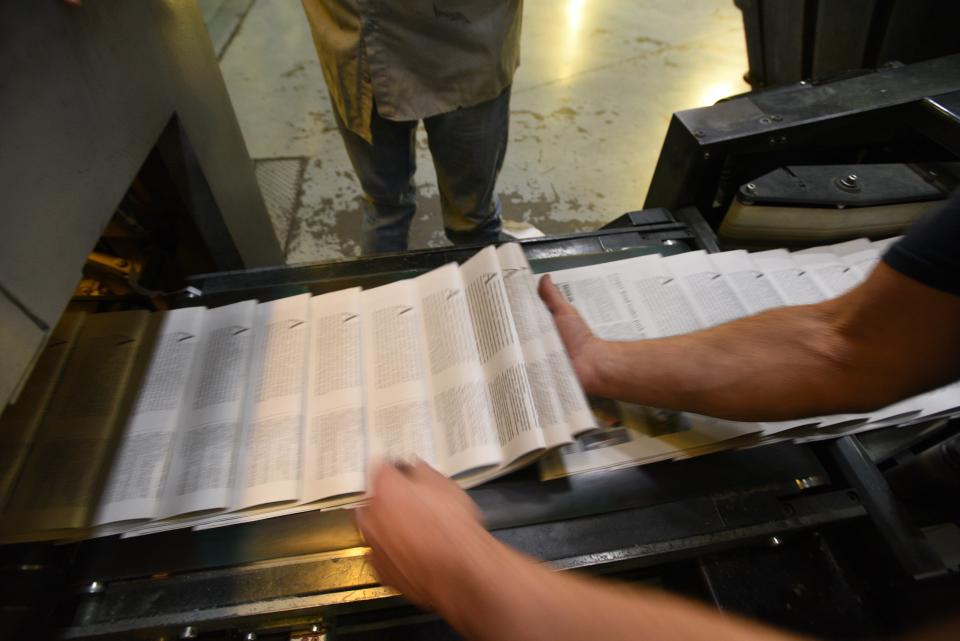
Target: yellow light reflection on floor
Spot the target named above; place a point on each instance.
(711, 93)
(570, 59)
(575, 13)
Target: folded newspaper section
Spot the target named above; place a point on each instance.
(252, 410)
(20, 421)
(58, 488)
(653, 296)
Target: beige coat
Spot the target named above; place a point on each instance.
(415, 58)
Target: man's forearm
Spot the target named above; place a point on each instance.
(785, 363)
(888, 338)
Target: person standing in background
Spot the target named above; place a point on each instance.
(450, 63)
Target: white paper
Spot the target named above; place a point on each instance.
(64, 470)
(505, 372)
(200, 475)
(940, 402)
(334, 435)
(753, 287)
(710, 294)
(465, 433)
(863, 261)
(599, 293)
(19, 422)
(267, 465)
(789, 278)
(561, 406)
(399, 417)
(838, 249)
(832, 273)
(883, 244)
(658, 296)
(134, 486)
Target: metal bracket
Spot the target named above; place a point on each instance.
(914, 553)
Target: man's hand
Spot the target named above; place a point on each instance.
(428, 542)
(583, 347)
(425, 533)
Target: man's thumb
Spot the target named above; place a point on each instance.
(550, 295)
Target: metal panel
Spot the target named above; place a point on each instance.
(705, 148)
(86, 92)
(371, 271)
(331, 584)
(20, 343)
(840, 39)
(914, 553)
(783, 29)
(938, 117)
(753, 32)
(795, 583)
(917, 30)
(519, 500)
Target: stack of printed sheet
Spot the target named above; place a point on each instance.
(140, 422)
(136, 422)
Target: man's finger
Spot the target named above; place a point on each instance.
(423, 471)
(364, 524)
(384, 476)
(386, 572)
(425, 474)
(404, 467)
(550, 295)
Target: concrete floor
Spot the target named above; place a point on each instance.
(597, 84)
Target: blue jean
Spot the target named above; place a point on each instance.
(467, 146)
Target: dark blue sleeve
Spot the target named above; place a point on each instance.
(930, 250)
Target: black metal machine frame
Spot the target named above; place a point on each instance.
(808, 537)
(739, 529)
(900, 114)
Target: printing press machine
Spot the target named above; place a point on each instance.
(845, 539)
